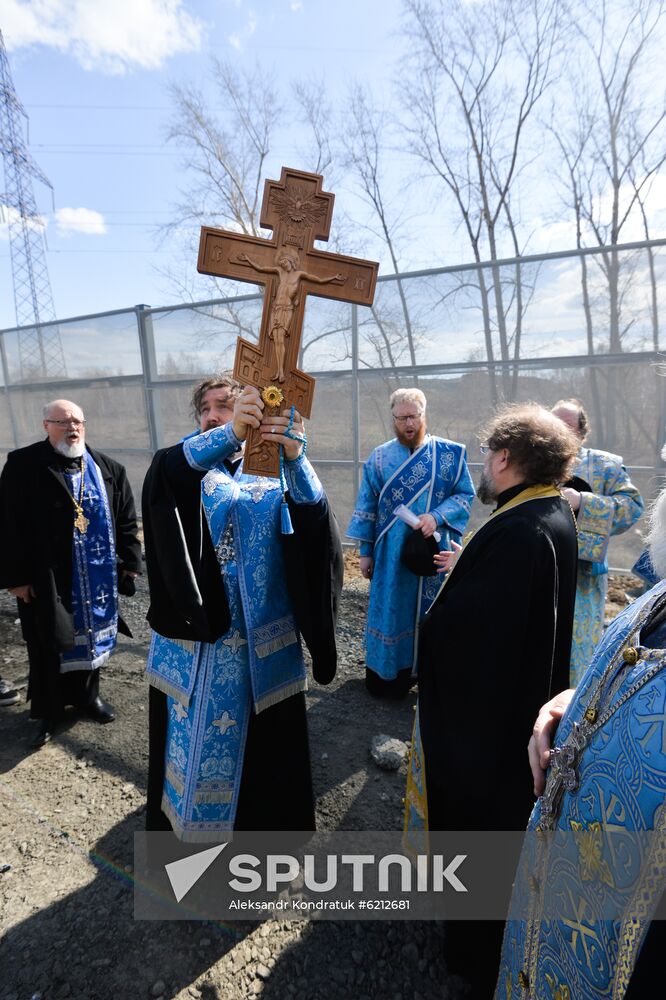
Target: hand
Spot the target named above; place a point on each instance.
(427, 524)
(272, 429)
(25, 593)
(247, 412)
(446, 560)
(367, 566)
(573, 496)
(538, 749)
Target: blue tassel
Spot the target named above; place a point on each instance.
(285, 517)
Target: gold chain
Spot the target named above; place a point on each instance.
(573, 513)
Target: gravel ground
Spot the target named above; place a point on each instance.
(66, 828)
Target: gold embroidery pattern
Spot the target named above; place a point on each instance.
(592, 866)
(558, 991)
(640, 908)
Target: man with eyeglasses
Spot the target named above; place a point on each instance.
(429, 476)
(69, 544)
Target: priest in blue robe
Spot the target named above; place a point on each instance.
(607, 773)
(428, 475)
(606, 503)
(239, 570)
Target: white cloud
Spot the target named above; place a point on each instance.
(111, 36)
(79, 220)
(296, 5)
(10, 215)
(237, 39)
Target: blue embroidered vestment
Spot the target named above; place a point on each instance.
(611, 507)
(213, 687)
(434, 479)
(620, 768)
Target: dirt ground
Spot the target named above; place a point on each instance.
(69, 812)
(68, 817)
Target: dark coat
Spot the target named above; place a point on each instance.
(37, 527)
(494, 647)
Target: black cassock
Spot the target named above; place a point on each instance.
(36, 531)
(493, 648)
(188, 601)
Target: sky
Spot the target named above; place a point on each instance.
(93, 77)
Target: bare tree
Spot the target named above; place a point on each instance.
(365, 144)
(224, 164)
(226, 157)
(350, 145)
(474, 77)
(573, 183)
(613, 146)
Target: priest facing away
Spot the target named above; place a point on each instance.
(495, 643)
(238, 570)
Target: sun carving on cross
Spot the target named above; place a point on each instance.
(296, 204)
(272, 396)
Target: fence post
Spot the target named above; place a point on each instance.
(356, 414)
(144, 321)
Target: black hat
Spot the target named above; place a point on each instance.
(418, 553)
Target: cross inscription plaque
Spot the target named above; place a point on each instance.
(298, 212)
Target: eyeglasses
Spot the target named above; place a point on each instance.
(484, 449)
(66, 423)
(410, 416)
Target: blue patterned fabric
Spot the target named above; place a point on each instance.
(622, 787)
(434, 480)
(644, 569)
(611, 507)
(212, 688)
(94, 575)
(206, 736)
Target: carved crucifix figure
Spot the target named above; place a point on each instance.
(286, 298)
(298, 212)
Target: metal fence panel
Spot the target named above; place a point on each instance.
(469, 336)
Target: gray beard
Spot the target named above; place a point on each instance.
(656, 538)
(486, 491)
(70, 450)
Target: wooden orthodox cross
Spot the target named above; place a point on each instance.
(298, 212)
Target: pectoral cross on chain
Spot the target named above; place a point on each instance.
(562, 778)
(298, 212)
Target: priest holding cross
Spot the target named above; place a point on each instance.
(233, 592)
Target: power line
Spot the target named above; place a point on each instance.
(98, 107)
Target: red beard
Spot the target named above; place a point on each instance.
(411, 442)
